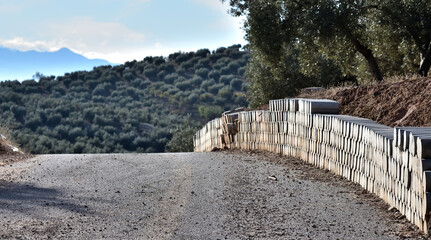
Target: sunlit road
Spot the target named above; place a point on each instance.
(176, 196)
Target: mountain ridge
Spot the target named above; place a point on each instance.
(22, 65)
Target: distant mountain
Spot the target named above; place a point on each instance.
(17, 65)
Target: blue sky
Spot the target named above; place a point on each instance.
(118, 30)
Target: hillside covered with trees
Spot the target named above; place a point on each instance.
(328, 42)
(140, 106)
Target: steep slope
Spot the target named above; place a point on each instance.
(135, 107)
(401, 103)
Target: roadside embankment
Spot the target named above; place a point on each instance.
(404, 102)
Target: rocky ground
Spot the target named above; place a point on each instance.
(398, 226)
(8, 156)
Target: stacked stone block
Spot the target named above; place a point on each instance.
(393, 163)
(209, 137)
(412, 147)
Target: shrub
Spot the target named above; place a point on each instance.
(202, 53)
(129, 76)
(226, 79)
(202, 72)
(182, 139)
(158, 60)
(180, 71)
(215, 88)
(225, 71)
(76, 83)
(170, 78)
(236, 84)
(225, 92)
(206, 97)
(167, 67)
(180, 79)
(102, 89)
(240, 100)
(137, 82)
(184, 85)
(210, 112)
(150, 72)
(183, 57)
(207, 83)
(241, 71)
(193, 97)
(196, 81)
(161, 74)
(214, 74)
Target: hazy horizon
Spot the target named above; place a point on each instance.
(23, 65)
(118, 31)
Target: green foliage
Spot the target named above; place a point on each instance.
(182, 140)
(236, 84)
(210, 112)
(202, 72)
(332, 41)
(215, 75)
(142, 106)
(206, 97)
(225, 93)
(406, 25)
(215, 88)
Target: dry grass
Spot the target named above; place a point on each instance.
(396, 101)
(401, 78)
(6, 142)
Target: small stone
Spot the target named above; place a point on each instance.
(273, 178)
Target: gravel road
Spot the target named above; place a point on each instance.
(222, 195)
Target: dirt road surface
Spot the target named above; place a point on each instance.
(222, 195)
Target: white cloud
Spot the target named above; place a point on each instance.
(226, 21)
(111, 40)
(158, 45)
(137, 53)
(233, 28)
(84, 36)
(99, 36)
(26, 45)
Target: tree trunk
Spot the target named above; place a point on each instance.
(369, 56)
(425, 63)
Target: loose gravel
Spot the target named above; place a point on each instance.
(221, 195)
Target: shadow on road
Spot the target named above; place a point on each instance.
(27, 199)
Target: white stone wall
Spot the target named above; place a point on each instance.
(389, 162)
(209, 137)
